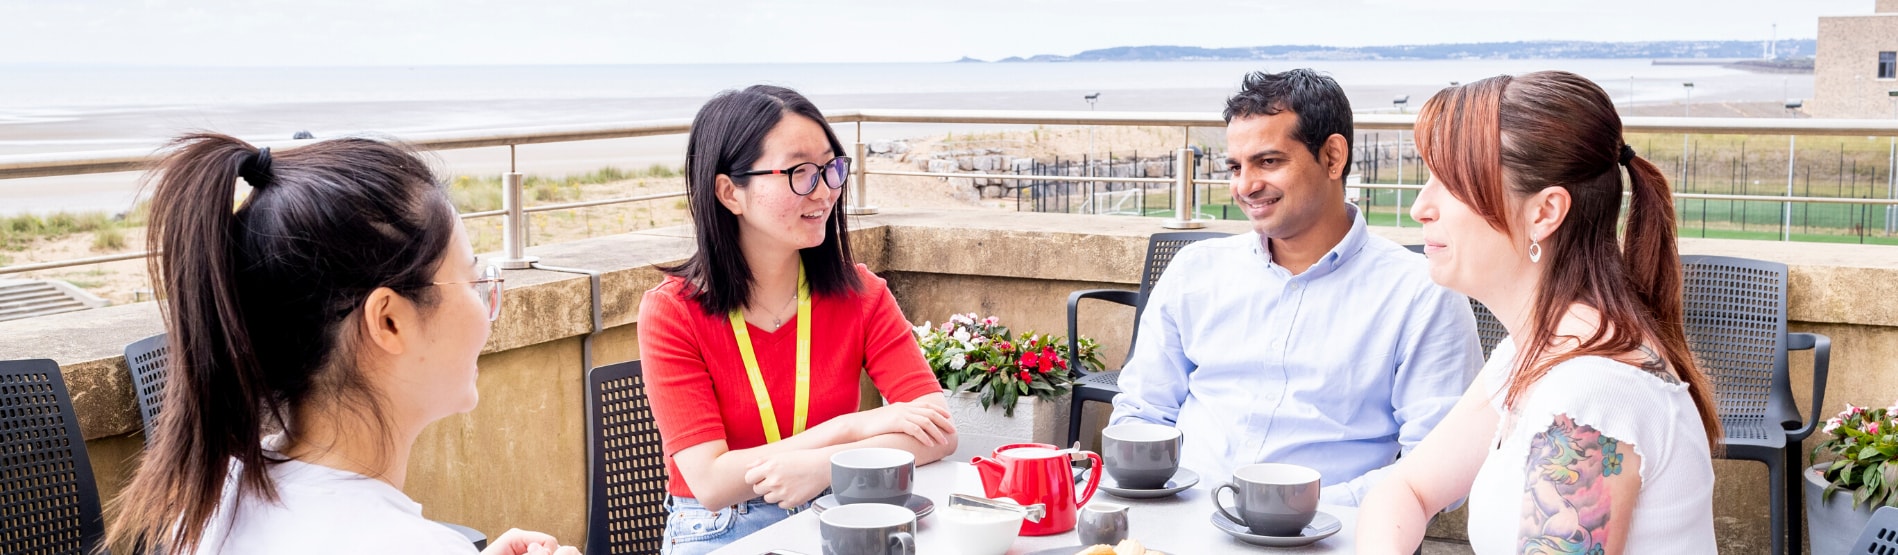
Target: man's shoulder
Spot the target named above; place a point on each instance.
(1405, 270)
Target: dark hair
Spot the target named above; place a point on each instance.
(1314, 98)
(1500, 137)
(256, 302)
(728, 137)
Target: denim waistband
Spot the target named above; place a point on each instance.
(741, 507)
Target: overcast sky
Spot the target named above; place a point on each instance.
(427, 32)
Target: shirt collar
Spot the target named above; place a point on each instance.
(1348, 247)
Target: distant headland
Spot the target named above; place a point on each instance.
(1712, 51)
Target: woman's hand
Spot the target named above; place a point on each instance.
(790, 479)
(929, 424)
(521, 542)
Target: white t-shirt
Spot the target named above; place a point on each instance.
(1656, 415)
(324, 511)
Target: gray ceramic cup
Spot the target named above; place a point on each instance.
(1274, 499)
(1101, 523)
(868, 529)
(1141, 455)
(872, 475)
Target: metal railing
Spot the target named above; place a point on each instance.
(1183, 182)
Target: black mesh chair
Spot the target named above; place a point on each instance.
(626, 468)
(48, 501)
(1095, 384)
(1880, 536)
(1736, 328)
(1489, 330)
(148, 358)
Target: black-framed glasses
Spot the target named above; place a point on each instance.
(804, 177)
(488, 288)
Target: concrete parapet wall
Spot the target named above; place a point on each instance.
(518, 460)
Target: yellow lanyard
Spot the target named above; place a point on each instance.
(803, 407)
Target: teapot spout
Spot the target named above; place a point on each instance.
(991, 473)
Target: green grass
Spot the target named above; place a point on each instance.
(483, 193)
(16, 232)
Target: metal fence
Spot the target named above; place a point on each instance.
(1853, 202)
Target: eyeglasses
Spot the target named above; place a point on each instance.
(804, 177)
(488, 288)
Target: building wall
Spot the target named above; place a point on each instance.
(1845, 70)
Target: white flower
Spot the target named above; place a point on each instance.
(922, 329)
(1833, 424)
(958, 362)
(961, 319)
(961, 335)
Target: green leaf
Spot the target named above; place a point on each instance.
(1868, 452)
(1859, 496)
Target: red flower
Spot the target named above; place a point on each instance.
(1047, 359)
(1004, 346)
(1061, 363)
(1030, 359)
(1024, 376)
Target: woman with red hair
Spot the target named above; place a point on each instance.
(1591, 427)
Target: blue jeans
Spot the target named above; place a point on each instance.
(691, 529)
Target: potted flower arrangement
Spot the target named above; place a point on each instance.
(981, 365)
(982, 357)
(1863, 443)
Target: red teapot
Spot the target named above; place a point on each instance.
(1038, 473)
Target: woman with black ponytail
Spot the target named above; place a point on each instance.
(315, 330)
(1591, 428)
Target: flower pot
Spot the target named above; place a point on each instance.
(1831, 522)
(1035, 420)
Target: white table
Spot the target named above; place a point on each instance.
(1178, 525)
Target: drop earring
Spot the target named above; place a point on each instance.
(1535, 252)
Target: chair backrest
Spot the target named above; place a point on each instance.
(1161, 247)
(1736, 327)
(1880, 536)
(1489, 330)
(48, 501)
(626, 468)
(148, 358)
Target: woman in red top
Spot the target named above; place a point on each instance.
(773, 298)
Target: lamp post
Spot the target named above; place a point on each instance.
(1689, 106)
(1091, 99)
(1399, 103)
(1792, 142)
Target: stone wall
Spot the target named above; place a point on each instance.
(517, 460)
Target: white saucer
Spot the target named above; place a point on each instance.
(918, 504)
(1322, 526)
(1179, 482)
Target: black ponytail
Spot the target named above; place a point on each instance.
(257, 301)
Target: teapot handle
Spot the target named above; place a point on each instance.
(1093, 478)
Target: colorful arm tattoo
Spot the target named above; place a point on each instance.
(1565, 502)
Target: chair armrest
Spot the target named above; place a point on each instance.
(1821, 360)
(1122, 296)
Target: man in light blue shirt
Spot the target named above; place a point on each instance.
(1308, 341)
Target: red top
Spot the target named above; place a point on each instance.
(696, 380)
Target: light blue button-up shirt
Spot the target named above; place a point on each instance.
(1336, 368)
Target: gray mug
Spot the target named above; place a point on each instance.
(868, 529)
(1274, 499)
(1141, 455)
(872, 475)
(1102, 523)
